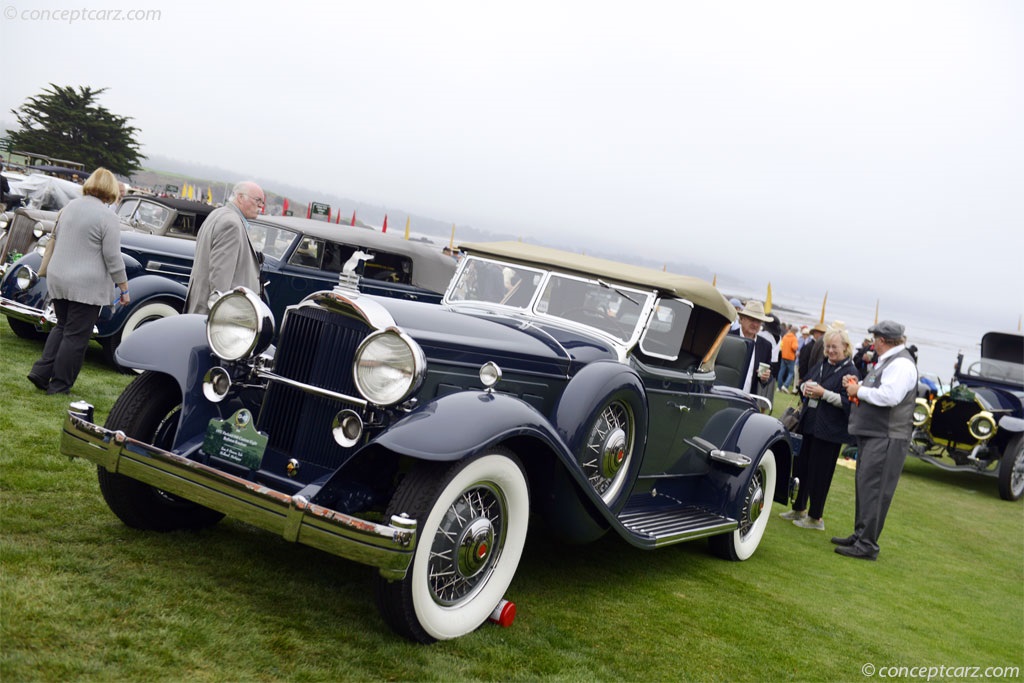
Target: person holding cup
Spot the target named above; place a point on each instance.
(758, 374)
(824, 421)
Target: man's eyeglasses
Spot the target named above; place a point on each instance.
(259, 202)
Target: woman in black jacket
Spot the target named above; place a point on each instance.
(823, 423)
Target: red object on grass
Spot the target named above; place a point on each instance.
(504, 614)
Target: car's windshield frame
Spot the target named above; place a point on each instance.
(512, 291)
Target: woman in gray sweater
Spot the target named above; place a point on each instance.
(86, 259)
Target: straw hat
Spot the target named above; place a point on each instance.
(755, 310)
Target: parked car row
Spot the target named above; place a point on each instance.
(301, 256)
(417, 435)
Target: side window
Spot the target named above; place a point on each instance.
(151, 216)
(124, 212)
(387, 267)
(663, 337)
(336, 256)
(184, 224)
(309, 253)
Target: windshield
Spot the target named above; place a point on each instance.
(996, 371)
(612, 309)
(271, 240)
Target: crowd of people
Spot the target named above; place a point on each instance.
(862, 396)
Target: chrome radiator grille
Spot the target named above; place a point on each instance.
(316, 347)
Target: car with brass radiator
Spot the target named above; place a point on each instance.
(978, 425)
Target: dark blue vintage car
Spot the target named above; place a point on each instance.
(301, 256)
(978, 425)
(418, 437)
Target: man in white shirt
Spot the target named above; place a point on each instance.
(882, 420)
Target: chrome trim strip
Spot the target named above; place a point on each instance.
(388, 547)
(162, 268)
(309, 389)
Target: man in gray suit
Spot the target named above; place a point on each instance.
(881, 419)
(225, 257)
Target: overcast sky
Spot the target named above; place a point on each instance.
(872, 149)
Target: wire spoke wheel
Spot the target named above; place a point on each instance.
(608, 450)
(472, 516)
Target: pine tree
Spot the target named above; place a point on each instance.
(68, 124)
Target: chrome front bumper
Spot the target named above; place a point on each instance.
(387, 547)
(33, 316)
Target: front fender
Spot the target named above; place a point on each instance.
(458, 425)
(174, 346)
(1011, 424)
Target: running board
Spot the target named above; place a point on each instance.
(657, 527)
(988, 471)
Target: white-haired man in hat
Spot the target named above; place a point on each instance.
(758, 373)
(881, 419)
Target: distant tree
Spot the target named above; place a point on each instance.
(68, 124)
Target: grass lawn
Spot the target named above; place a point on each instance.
(84, 598)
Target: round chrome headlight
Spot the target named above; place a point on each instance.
(38, 230)
(982, 426)
(25, 278)
(921, 412)
(5, 220)
(239, 326)
(388, 367)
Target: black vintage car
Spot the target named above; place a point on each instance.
(418, 437)
(301, 256)
(180, 218)
(978, 425)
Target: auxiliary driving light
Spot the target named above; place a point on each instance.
(347, 428)
(216, 384)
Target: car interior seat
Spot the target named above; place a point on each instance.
(732, 361)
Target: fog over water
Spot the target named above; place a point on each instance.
(870, 149)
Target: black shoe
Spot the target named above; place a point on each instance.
(845, 541)
(855, 552)
(51, 391)
(40, 383)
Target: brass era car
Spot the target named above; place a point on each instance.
(978, 425)
(417, 437)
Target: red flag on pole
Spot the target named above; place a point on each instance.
(309, 209)
(338, 219)
(284, 207)
(385, 227)
(353, 217)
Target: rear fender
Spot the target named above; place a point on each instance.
(143, 289)
(756, 434)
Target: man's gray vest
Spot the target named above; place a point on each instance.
(894, 422)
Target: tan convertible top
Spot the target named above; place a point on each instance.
(692, 289)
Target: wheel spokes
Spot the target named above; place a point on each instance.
(467, 544)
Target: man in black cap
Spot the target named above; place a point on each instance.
(881, 419)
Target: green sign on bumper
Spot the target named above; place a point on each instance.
(389, 547)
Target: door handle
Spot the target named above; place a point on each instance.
(679, 406)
